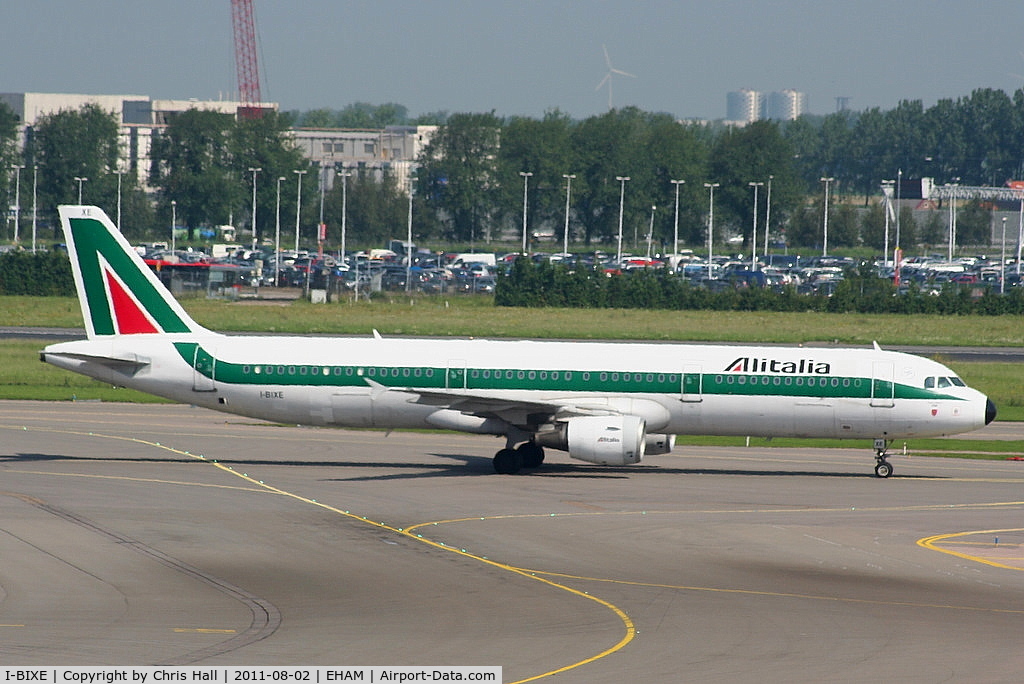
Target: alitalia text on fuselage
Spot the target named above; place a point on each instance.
(753, 364)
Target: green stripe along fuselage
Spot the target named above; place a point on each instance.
(547, 380)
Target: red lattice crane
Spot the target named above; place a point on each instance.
(246, 60)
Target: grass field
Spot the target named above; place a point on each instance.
(468, 316)
(22, 376)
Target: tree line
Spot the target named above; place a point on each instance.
(544, 284)
(473, 176)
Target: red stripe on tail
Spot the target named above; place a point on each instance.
(130, 318)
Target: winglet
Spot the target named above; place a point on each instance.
(118, 292)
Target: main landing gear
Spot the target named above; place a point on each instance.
(510, 461)
(883, 468)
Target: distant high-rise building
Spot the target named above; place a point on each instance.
(842, 103)
(786, 105)
(744, 106)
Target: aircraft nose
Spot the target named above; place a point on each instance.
(990, 412)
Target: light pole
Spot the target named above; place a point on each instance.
(320, 228)
(408, 244)
(767, 214)
(119, 174)
(254, 170)
(526, 183)
(650, 231)
(35, 182)
(711, 221)
(17, 198)
(174, 219)
(1002, 262)
(298, 207)
(80, 180)
(887, 194)
(753, 241)
(675, 223)
(622, 198)
(568, 188)
(952, 219)
(277, 235)
(344, 210)
(1020, 237)
(824, 241)
(899, 185)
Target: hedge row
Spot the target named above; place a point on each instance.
(39, 274)
(537, 285)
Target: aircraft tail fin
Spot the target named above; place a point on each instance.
(118, 292)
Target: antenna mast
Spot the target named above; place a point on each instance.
(246, 59)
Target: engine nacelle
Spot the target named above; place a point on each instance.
(659, 444)
(605, 440)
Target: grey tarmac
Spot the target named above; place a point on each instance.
(166, 534)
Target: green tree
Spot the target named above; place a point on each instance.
(676, 152)
(264, 143)
(843, 228)
(79, 143)
(458, 174)
(872, 226)
(805, 226)
(376, 209)
(544, 148)
(609, 146)
(750, 155)
(9, 154)
(908, 231)
(193, 166)
(974, 225)
(934, 231)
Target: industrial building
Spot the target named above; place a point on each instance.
(394, 148)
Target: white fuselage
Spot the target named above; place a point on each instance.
(675, 388)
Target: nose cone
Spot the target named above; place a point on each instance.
(990, 412)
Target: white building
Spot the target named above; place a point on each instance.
(138, 116)
(785, 105)
(394, 148)
(744, 106)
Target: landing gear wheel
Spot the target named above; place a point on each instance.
(508, 462)
(532, 455)
(882, 467)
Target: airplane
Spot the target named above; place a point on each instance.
(605, 403)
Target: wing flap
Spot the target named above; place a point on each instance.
(515, 411)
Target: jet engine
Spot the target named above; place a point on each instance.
(659, 444)
(605, 440)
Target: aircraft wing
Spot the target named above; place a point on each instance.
(515, 411)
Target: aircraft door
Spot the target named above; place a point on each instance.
(883, 389)
(203, 370)
(455, 374)
(692, 385)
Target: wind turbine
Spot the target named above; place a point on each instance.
(608, 77)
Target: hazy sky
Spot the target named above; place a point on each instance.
(522, 56)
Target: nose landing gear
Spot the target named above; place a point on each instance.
(883, 468)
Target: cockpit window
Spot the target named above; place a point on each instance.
(954, 381)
